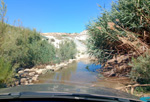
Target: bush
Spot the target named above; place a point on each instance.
(26, 48)
(5, 72)
(42, 52)
(141, 69)
(67, 50)
(124, 29)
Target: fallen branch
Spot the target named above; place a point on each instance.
(132, 87)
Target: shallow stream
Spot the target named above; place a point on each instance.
(82, 72)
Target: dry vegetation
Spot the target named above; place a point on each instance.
(120, 37)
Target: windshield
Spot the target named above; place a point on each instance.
(86, 43)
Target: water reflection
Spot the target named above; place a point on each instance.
(82, 73)
(79, 72)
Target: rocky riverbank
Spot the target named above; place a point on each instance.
(26, 76)
(30, 75)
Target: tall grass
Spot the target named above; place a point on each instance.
(125, 29)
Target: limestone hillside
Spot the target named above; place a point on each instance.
(79, 38)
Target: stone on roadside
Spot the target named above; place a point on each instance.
(20, 72)
(34, 78)
(27, 70)
(44, 71)
(39, 71)
(48, 67)
(36, 75)
(70, 61)
(31, 73)
(32, 70)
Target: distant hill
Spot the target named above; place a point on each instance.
(61, 34)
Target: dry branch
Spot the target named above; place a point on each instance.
(132, 87)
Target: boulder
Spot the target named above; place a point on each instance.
(34, 78)
(44, 71)
(48, 67)
(32, 70)
(31, 73)
(70, 61)
(36, 75)
(39, 71)
(27, 70)
(20, 72)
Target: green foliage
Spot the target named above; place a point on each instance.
(141, 69)
(25, 47)
(102, 40)
(5, 72)
(67, 50)
(126, 19)
(22, 47)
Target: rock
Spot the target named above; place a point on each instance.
(36, 75)
(25, 74)
(32, 70)
(22, 80)
(39, 71)
(70, 61)
(26, 83)
(48, 67)
(27, 70)
(34, 78)
(30, 81)
(20, 72)
(56, 68)
(65, 64)
(56, 65)
(31, 73)
(28, 78)
(44, 71)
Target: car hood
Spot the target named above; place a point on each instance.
(65, 88)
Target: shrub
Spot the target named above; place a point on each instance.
(5, 72)
(124, 29)
(141, 69)
(25, 47)
(67, 50)
(42, 52)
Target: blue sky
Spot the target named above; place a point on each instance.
(55, 15)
